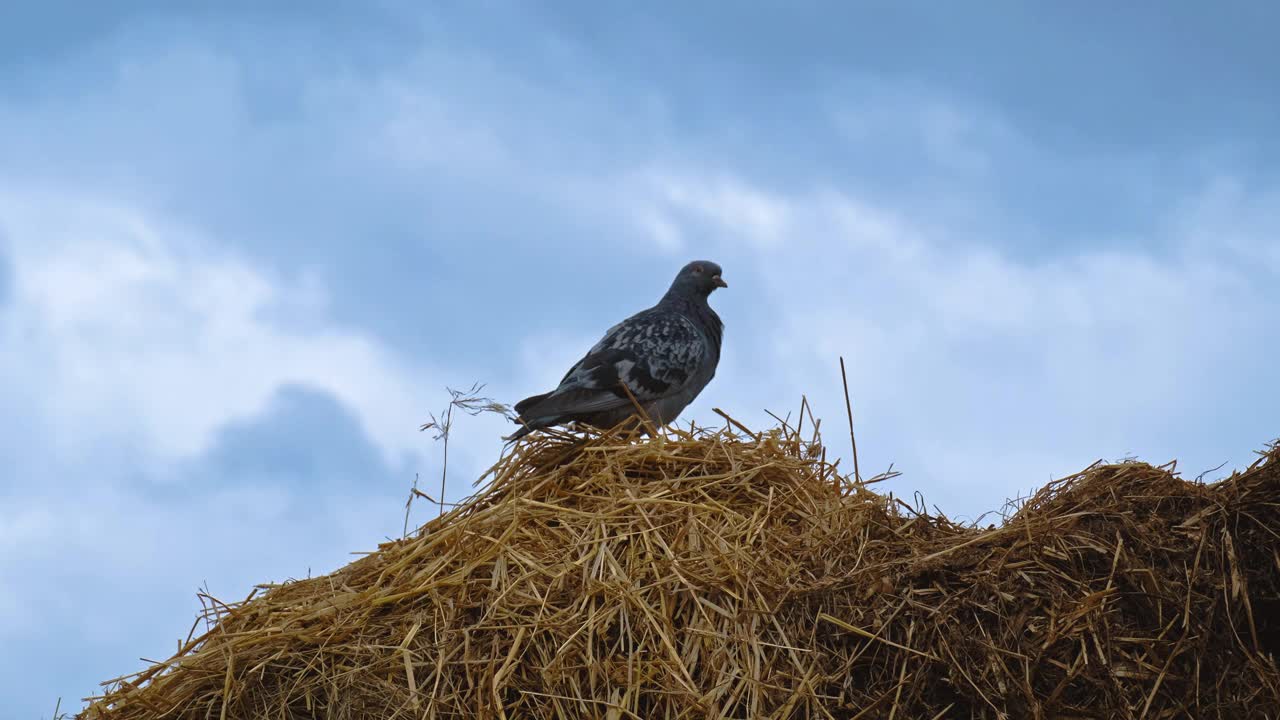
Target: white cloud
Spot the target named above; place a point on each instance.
(664, 233)
(134, 330)
(1233, 223)
(755, 214)
(424, 131)
(955, 136)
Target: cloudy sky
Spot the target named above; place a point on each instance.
(244, 251)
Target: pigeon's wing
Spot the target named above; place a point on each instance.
(651, 355)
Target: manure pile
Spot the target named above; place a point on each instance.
(729, 574)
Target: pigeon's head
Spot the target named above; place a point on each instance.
(699, 277)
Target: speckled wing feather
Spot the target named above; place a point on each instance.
(652, 354)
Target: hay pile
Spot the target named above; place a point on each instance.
(725, 574)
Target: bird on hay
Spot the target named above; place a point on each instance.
(659, 359)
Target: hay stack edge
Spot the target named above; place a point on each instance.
(733, 574)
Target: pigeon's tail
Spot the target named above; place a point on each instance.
(523, 406)
(563, 405)
(528, 424)
(524, 430)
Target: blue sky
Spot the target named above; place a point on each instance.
(243, 251)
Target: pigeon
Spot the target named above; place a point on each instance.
(662, 357)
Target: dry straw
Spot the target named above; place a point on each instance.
(709, 574)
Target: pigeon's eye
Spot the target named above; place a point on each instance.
(697, 270)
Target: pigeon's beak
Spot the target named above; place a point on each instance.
(718, 281)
